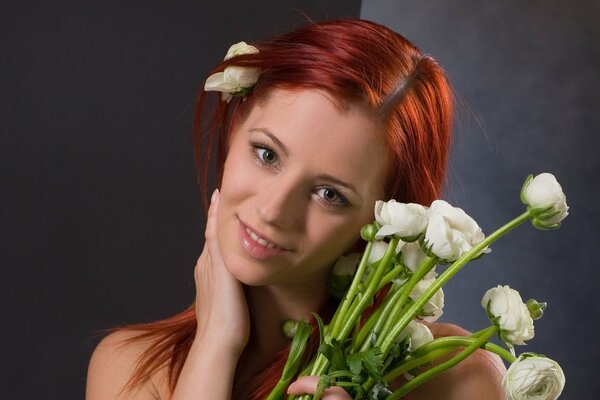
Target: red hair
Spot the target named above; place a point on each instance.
(359, 63)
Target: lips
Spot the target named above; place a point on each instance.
(256, 245)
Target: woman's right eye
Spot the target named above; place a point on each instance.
(264, 154)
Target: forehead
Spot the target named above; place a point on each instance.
(322, 136)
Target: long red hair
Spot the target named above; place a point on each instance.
(359, 63)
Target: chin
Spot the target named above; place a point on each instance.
(248, 272)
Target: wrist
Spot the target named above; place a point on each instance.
(218, 345)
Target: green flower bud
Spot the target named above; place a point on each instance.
(289, 328)
(535, 308)
(368, 232)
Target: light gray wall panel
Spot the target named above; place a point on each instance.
(528, 76)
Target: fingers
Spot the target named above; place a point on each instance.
(308, 385)
(212, 243)
(211, 220)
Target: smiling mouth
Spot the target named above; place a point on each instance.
(260, 240)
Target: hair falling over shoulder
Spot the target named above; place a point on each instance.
(359, 63)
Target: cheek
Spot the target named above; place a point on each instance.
(331, 239)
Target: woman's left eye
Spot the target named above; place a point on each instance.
(331, 196)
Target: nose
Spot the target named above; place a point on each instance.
(281, 203)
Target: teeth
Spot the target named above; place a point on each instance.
(259, 240)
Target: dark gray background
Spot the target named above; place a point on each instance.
(528, 74)
(100, 214)
(99, 208)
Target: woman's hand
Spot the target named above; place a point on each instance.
(223, 324)
(308, 385)
(221, 308)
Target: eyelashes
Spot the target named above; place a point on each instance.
(265, 155)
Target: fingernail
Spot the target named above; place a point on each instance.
(214, 195)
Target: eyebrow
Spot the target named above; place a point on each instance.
(274, 138)
(326, 177)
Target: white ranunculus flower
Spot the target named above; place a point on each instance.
(419, 334)
(346, 265)
(533, 377)
(379, 248)
(543, 192)
(406, 221)
(512, 315)
(239, 49)
(412, 255)
(342, 274)
(434, 308)
(451, 232)
(233, 79)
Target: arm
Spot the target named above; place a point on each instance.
(221, 335)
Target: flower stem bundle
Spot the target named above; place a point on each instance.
(363, 348)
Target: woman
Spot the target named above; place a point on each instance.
(342, 113)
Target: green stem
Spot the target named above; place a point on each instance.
(438, 369)
(349, 297)
(389, 319)
(390, 275)
(367, 297)
(345, 321)
(463, 341)
(365, 330)
(445, 277)
(386, 310)
(411, 363)
(278, 390)
(440, 347)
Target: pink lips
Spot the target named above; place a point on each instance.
(261, 250)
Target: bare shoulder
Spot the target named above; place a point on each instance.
(479, 377)
(112, 365)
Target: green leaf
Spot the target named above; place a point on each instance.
(354, 362)
(297, 350)
(321, 326)
(372, 362)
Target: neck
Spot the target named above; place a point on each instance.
(271, 306)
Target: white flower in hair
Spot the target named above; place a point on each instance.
(234, 80)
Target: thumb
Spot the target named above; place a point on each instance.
(308, 385)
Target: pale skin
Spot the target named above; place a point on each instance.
(301, 178)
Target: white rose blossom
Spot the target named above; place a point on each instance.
(506, 309)
(419, 334)
(406, 221)
(434, 308)
(533, 377)
(451, 232)
(545, 193)
(234, 79)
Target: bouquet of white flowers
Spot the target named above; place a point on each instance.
(363, 352)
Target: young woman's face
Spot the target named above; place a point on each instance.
(300, 179)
